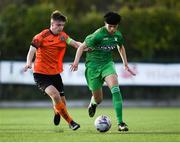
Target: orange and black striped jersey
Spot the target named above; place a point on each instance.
(50, 52)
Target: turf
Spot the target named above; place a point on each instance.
(35, 125)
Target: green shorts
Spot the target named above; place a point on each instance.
(95, 76)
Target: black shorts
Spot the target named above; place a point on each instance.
(43, 81)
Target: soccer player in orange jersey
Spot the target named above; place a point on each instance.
(50, 46)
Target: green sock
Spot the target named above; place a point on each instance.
(117, 102)
(93, 100)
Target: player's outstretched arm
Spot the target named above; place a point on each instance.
(30, 55)
(74, 43)
(79, 52)
(77, 44)
(122, 53)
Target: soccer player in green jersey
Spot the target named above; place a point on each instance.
(100, 66)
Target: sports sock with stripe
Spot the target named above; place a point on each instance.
(61, 109)
(93, 100)
(117, 102)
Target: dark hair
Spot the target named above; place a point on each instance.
(56, 15)
(112, 18)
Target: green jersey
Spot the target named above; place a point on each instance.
(101, 44)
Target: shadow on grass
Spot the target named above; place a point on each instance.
(60, 130)
(134, 132)
(31, 131)
(148, 132)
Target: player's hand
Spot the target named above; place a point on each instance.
(86, 49)
(74, 67)
(129, 70)
(79, 43)
(26, 67)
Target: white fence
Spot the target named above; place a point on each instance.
(147, 74)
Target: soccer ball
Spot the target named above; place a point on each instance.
(102, 123)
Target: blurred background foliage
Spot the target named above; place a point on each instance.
(151, 28)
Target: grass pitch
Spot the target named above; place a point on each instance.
(36, 125)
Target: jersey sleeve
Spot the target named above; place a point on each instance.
(92, 40)
(68, 40)
(120, 40)
(37, 40)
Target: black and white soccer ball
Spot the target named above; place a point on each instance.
(102, 123)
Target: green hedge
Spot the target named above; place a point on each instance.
(151, 34)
